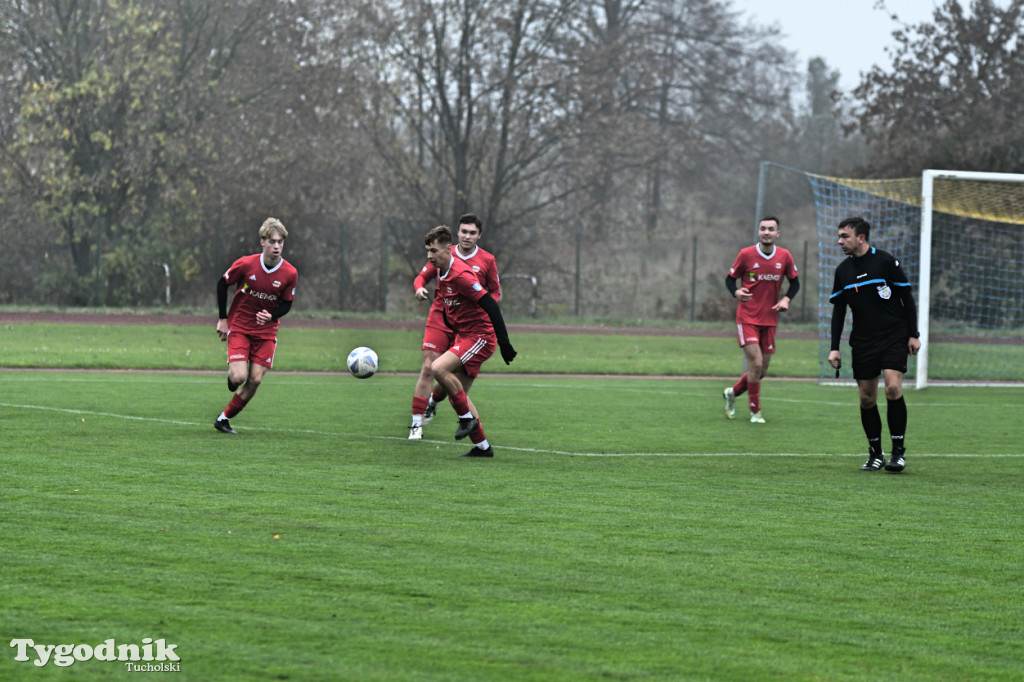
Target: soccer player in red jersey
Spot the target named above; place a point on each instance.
(475, 318)
(266, 288)
(437, 336)
(759, 269)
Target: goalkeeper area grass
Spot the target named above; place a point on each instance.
(625, 530)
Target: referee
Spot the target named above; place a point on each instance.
(873, 285)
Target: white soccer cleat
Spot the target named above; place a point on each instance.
(756, 418)
(428, 414)
(415, 433)
(730, 403)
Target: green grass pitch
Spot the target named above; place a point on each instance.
(625, 531)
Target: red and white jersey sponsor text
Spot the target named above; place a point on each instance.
(258, 289)
(762, 276)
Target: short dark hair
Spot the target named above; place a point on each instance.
(471, 218)
(442, 234)
(770, 217)
(859, 225)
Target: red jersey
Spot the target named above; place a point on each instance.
(480, 261)
(258, 289)
(459, 291)
(762, 276)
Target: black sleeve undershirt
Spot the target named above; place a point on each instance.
(281, 310)
(490, 307)
(730, 284)
(222, 298)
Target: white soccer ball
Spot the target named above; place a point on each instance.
(362, 362)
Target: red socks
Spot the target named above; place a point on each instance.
(460, 403)
(740, 387)
(755, 395)
(234, 407)
(477, 434)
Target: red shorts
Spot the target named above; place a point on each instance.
(437, 336)
(473, 350)
(244, 348)
(764, 336)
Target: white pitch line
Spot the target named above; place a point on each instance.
(98, 414)
(544, 451)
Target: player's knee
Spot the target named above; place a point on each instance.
(893, 392)
(440, 371)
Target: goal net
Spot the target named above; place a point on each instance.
(960, 238)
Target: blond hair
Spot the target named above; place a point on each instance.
(271, 225)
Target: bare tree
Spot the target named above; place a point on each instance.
(952, 97)
(165, 131)
(464, 110)
(678, 92)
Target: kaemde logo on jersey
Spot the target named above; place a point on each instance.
(260, 294)
(157, 654)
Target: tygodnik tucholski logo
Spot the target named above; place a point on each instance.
(151, 656)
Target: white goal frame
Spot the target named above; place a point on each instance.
(928, 178)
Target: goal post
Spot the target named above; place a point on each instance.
(960, 236)
(928, 179)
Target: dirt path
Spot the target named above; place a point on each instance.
(324, 323)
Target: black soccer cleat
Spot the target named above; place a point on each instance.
(232, 386)
(224, 426)
(896, 463)
(874, 463)
(466, 424)
(479, 452)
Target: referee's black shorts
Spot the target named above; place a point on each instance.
(869, 358)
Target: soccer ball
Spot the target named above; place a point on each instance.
(362, 362)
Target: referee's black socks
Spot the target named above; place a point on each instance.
(872, 423)
(896, 416)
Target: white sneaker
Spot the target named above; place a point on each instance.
(415, 433)
(730, 403)
(428, 414)
(756, 418)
